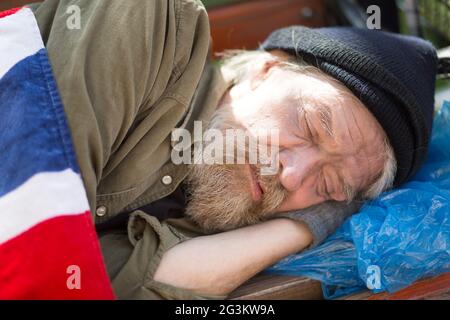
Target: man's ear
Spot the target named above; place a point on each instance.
(261, 72)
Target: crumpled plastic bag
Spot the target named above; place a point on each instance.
(394, 240)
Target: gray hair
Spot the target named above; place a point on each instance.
(235, 67)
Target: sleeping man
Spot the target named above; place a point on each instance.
(351, 110)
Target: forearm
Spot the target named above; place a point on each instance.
(217, 264)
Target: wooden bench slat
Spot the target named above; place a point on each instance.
(277, 287)
(246, 24)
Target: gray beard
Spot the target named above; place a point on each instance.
(220, 194)
(220, 197)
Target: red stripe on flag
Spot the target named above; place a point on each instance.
(9, 12)
(37, 263)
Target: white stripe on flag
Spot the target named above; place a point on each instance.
(20, 38)
(44, 196)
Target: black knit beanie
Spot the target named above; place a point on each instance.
(393, 75)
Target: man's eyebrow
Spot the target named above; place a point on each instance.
(326, 119)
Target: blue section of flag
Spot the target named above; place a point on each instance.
(34, 134)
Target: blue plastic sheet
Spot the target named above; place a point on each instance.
(393, 241)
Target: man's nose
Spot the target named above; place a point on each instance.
(297, 166)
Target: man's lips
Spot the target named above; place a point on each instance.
(256, 189)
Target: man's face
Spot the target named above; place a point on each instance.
(328, 143)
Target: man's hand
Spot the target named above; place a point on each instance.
(218, 264)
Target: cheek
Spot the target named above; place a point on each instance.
(302, 198)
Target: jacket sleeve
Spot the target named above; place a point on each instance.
(132, 257)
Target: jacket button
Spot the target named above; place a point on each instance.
(101, 211)
(166, 180)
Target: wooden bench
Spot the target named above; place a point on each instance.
(8, 4)
(428, 289)
(275, 287)
(245, 24)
